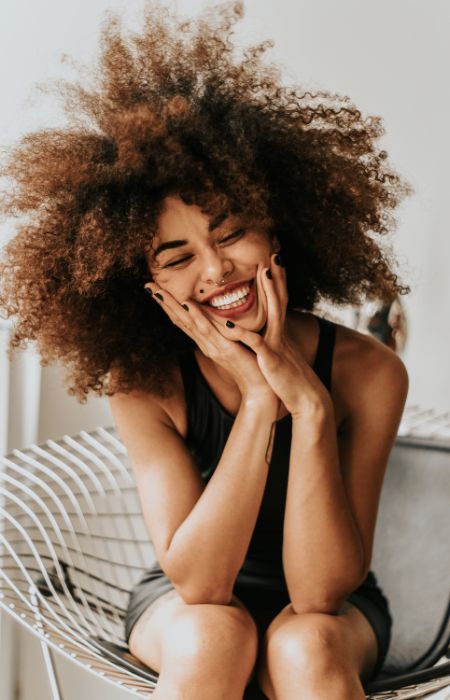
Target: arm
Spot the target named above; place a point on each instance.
(200, 533)
(209, 544)
(335, 484)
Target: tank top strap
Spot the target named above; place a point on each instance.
(322, 364)
(324, 356)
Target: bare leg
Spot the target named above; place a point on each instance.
(200, 651)
(317, 656)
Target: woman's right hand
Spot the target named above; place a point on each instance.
(214, 340)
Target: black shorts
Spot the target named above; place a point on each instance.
(264, 604)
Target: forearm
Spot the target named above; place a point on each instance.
(209, 547)
(323, 553)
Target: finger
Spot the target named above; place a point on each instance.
(278, 287)
(275, 316)
(190, 317)
(280, 280)
(266, 356)
(172, 308)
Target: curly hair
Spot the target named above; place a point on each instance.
(173, 110)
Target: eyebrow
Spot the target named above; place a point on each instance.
(168, 245)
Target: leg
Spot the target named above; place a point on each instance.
(200, 651)
(317, 656)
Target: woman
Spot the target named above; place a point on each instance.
(259, 432)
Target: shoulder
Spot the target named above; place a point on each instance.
(368, 376)
(363, 357)
(365, 372)
(138, 404)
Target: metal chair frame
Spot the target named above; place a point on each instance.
(73, 543)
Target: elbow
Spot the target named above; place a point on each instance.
(199, 598)
(328, 598)
(326, 605)
(199, 591)
(196, 595)
(198, 587)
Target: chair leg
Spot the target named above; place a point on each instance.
(46, 651)
(51, 671)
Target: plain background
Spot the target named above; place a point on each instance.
(390, 57)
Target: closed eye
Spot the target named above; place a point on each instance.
(235, 234)
(239, 232)
(177, 262)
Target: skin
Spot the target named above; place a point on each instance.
(324, 646)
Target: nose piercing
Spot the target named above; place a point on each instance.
(222, 281)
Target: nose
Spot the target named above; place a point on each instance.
(215, 264)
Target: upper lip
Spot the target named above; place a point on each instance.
(227, 288)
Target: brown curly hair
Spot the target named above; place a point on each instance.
(172, 110)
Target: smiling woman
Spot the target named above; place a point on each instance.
(259, 433)
(186, 119)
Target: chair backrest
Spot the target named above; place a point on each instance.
(72, 521)
(411, 552)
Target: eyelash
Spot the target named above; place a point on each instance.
(232, 235)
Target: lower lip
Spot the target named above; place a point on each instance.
(238, 310)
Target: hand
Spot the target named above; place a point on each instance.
(280, 361)
(219, 343)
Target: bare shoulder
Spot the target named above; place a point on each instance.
(366, 374)
(137, 406)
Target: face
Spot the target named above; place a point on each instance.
(202, 255)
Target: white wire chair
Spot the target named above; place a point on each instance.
(73, 544)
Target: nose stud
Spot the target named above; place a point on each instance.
(222, 281)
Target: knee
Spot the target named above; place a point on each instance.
(196, 630)
(311, 642)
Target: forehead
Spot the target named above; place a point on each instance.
(177, 217)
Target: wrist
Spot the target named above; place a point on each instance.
(314, 415)
(263, 400)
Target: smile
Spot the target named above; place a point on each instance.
(235, 303)
(227, 301)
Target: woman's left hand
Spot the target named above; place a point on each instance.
(280, 361)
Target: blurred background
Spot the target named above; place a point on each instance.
(391, 58)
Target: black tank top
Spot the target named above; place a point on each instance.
(209, 425)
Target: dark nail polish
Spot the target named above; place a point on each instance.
(149, 291)
(160, 296)
(269, 274)
(230, 324)
(185, 306)
(277, 260)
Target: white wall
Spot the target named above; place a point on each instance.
(392, 58)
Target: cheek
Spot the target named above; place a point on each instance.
(176, 287)
(250, 259)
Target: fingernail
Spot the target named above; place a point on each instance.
(160, 296)
(185, 306)
(149, 291)
(230, 324)
(269, 274)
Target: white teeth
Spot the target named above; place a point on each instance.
(226, 299)
(241, 302)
